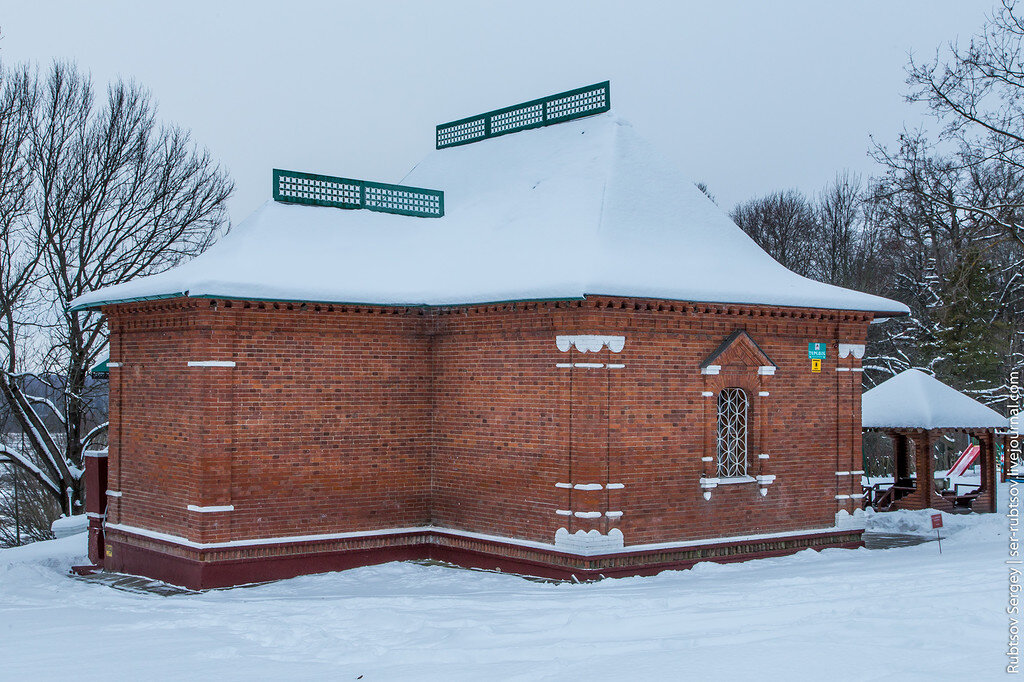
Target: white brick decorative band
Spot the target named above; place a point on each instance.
(563, 485)
(856, 369)
(763, 394)
(589, 542)
(185, 542)
(764, 455)
(856, 349)
(563, 512)
(113, 493)
(590, 343)
(766, 479)
(209, 510)
(211, 363)
(588, 515)
(842, 369)
(588, 365)
(615, 486)
(711, 369)
(842, 473)
(707, 394)
(114, 364)
(94, 515)
(613, 514)
(707, 459)
(588, 486)
(857, 473)
(766, 370)
(843, 497)
(857, 496)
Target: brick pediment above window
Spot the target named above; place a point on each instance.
(737, 351)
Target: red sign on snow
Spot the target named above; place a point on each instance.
(936, 520)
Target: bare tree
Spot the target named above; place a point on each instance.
(977, 93)
(839, 218)
(956, 269)
(782, 224)
(112, 195)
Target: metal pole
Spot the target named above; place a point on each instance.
(17, 511)
(17, 507)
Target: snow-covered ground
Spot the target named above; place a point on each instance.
(838, 614)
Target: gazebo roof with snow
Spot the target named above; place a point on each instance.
(915, 400)
(584, 207)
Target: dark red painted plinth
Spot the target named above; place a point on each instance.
(204, 569)
(86, 570)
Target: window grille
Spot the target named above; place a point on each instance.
(732, 433)
(565, 106)
(323, 190)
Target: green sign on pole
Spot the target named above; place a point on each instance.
(816, 351)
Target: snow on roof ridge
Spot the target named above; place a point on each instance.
(586, 207)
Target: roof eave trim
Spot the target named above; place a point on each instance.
(133, 299)
(185, 294)
(879, 313)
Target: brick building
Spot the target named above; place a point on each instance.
(545, 352)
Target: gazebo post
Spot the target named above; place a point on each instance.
(925, 495)
(986, 502)
(926, 469)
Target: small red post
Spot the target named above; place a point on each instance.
(96, 502)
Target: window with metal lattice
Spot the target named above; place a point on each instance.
(733, 408)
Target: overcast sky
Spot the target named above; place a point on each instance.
(748, 96)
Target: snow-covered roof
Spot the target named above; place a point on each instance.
(915, 400)
(580, 208)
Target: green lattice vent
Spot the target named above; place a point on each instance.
(293, 187)
(565, 106)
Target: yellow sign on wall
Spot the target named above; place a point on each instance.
(816, 366)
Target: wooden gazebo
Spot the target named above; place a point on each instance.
(915, 410)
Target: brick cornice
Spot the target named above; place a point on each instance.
(589, 303)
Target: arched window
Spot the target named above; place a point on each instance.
(732, 433)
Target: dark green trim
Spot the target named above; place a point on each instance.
(185, 294)
(384, 305)
(485, 122)
(400, 206)
(100, 304)
(878, 313)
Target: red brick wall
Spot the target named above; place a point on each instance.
(322, 425)
(337, 419)
(156, 414)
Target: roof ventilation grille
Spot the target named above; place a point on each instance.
(293, 187)
(565, 106)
